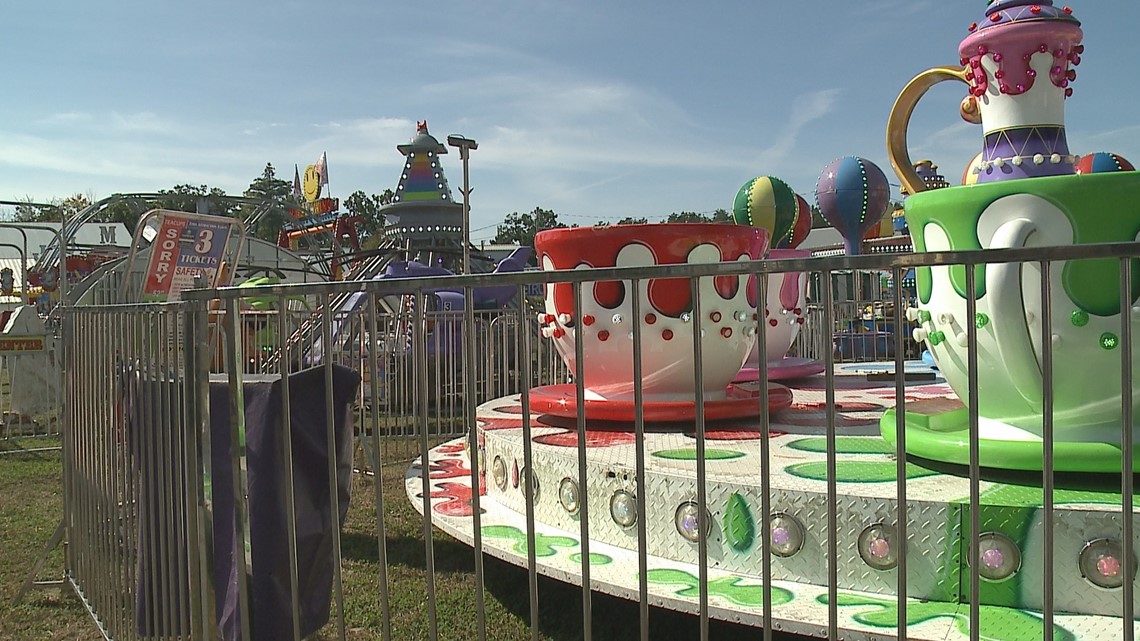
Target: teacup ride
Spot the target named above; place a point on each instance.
(668, 321)
(1022, 191)
(1026, 192)
(770, 204)
(586, 515)
(785, 314)
(588, 505)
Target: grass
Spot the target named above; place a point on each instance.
(31, 504)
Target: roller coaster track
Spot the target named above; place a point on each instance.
(143, 202)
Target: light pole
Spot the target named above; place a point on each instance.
(465, 146)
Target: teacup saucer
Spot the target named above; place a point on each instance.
(740, 401)
(789, 367)
(939, 430)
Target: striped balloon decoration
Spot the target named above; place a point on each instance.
(1102, 162)
(852, 194)
(769, 203)
(800, 229)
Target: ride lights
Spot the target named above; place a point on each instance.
(499, 472)
(688, 521)
(482, 454)
(623, 508)
(878, 546)
(998, 556)
(1102, 563)
(569, 495)
(533, 483)
(785, 534)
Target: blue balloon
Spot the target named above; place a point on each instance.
(853, 195)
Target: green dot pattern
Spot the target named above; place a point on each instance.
(1108, 340)
(1080, 318)
(981, 320)
(690, 454)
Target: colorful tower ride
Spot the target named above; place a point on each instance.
(423, 218)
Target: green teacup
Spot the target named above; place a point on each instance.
(1085, 309)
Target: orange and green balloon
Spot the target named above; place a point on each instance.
(769, 203)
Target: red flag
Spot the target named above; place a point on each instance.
(297, 183)
(323, 169)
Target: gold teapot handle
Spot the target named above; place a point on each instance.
(900, 120)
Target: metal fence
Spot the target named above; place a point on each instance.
(210, 449)
(29, 383)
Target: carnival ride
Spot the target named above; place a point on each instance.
(825, 504)
(422, 236)
(317, 242)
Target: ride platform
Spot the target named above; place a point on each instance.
(1087, 517)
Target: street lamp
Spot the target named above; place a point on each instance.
(465, 146)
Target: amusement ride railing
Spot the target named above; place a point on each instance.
(162, 495)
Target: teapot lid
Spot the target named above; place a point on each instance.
(1002, 12)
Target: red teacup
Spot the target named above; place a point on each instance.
(728, 304)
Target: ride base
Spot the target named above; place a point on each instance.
(937, 571)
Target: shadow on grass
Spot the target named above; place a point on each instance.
(448, 554)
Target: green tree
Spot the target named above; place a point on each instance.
(57, 207)
(368, 208)
(200, 199)
(190, 198)
(718, 216)
(267, 187)
(521, 228)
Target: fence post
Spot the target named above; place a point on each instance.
(197, 352)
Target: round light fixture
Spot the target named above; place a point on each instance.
(785, 535)
(569, 496)
(878, 546)
(1102, 563)
(533, 482)
(998, 556)
(687, 519)
(499, 472)
(623, 508)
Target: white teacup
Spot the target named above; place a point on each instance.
(786, 308)
(727, 308)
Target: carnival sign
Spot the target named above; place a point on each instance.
(186, 246)
(23, 344)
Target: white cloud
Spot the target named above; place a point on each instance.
(66, 117)
(806, 109)
(142, 122)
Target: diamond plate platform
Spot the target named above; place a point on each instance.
(937, 517)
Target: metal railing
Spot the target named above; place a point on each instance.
(29, 386)
(208, 498)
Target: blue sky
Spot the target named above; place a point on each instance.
(596, 110)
